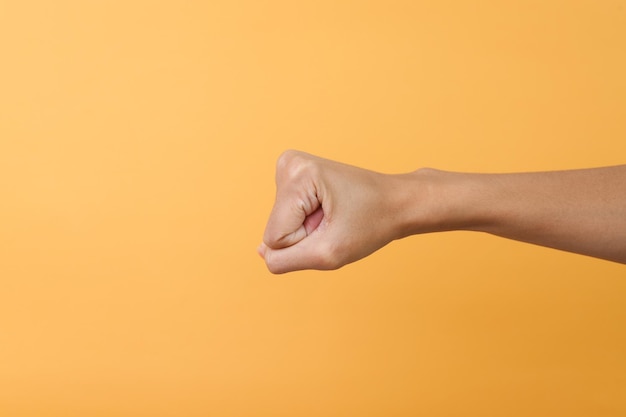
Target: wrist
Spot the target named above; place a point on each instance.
(437, 201)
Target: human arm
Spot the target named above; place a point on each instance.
(328, 214)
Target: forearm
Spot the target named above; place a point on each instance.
(582, 211)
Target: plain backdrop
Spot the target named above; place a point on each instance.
(137, 149)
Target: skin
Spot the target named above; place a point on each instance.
(328, 214)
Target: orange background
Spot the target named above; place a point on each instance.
(137, 150)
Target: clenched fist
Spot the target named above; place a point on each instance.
(328, 214)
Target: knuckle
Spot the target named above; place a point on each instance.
(292, 164)
(286, 159)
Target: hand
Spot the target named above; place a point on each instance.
(328, 214)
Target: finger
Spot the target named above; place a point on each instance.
(313, 220)
(307, 254)
(291, 220)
